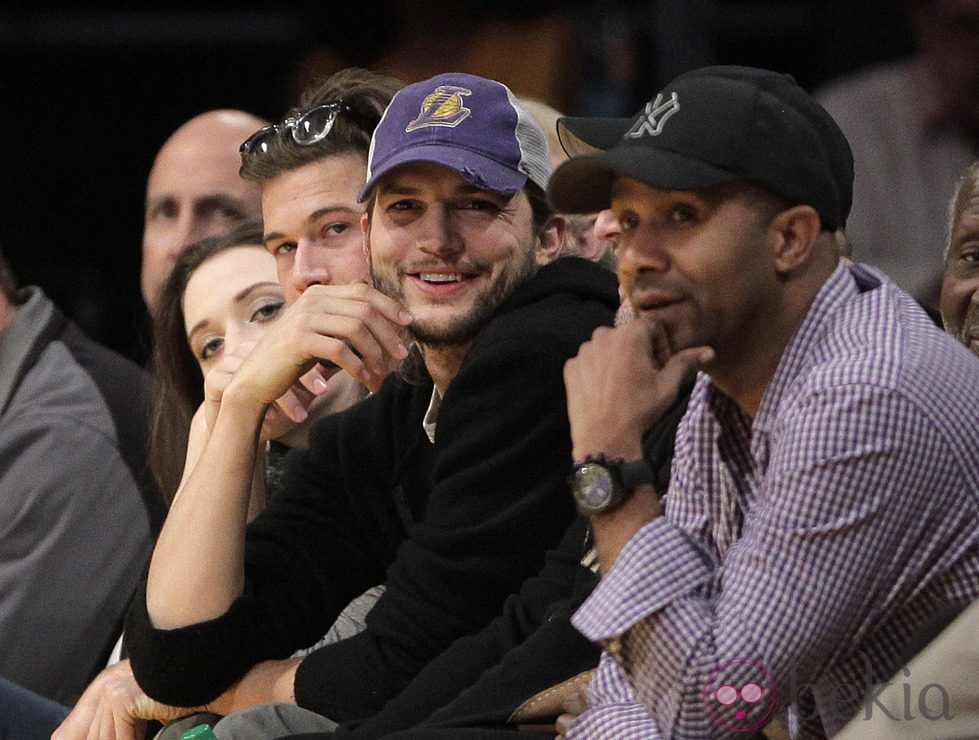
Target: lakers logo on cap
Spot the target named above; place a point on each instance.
(655, 114)
(444, 107)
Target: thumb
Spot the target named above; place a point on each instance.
(685, 361)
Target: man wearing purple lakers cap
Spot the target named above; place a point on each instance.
(447, 484)
(822, 502)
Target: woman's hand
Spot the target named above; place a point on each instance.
(114, 707)
(289, 409)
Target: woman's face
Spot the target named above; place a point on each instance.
(229, 302)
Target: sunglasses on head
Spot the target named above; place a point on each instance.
(307, 129)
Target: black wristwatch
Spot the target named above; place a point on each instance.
(601, 485)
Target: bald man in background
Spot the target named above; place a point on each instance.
(194, 191)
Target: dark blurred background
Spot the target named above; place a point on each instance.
(90, 94)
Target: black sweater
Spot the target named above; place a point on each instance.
(450, 528)
(472, 688)
(481, 679)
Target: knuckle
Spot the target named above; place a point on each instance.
(363, 311)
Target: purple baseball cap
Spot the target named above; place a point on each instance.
(470, 124)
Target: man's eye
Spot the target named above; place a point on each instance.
(282, 249)
(628, 222)
(267, 311)
(335, 229)
(230, 213)
(165, 209)
(682, 213)
(482, 205)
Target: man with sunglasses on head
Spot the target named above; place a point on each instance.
(309, 169)
(447, 484)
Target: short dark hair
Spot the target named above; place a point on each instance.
(178, 385)
(541, 211)
(365, 94)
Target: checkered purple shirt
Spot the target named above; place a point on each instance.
(799, 554)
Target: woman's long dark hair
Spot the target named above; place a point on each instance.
(178, 385)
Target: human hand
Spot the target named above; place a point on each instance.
(354, 327)
(573, 706)
(113, 707)
(290, 408)
(620, 383)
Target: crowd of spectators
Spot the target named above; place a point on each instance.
(464, 417)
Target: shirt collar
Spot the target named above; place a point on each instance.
(431, 416)
(839, 288)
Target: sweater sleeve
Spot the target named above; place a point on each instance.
(530, 646)
(306, 557)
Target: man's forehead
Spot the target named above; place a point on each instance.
(968, 200)
(624, 186)
(966, 231)
(193, 178)
(417, 176)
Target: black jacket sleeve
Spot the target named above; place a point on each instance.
(480, 679)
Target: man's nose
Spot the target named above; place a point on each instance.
(607, 226)
(308, 267)
(439, 234)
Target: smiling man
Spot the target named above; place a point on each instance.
(960, 282)
(447, 484)
(822, 504)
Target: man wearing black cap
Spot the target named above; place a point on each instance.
(821, 504)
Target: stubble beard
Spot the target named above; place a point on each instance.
(968, 327)
(461, 330)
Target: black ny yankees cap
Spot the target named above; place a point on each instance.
(711, 126)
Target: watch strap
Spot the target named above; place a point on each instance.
(635, 473)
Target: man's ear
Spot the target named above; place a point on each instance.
(550, 240)
(795, 231)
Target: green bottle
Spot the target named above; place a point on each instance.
(201, 732)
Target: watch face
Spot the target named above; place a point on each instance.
(594, 486)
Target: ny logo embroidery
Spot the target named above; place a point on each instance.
(443, 107)
(650, 122)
